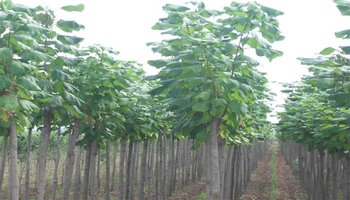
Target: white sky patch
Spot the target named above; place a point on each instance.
(308, 25)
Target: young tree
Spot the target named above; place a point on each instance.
(207, 76)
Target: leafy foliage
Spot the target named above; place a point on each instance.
(207, 74)
(317, 110)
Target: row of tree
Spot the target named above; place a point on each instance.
(317, 117)
(208, 90)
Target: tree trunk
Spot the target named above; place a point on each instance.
(213, 161)
(3, 160)
(221, 151)
(93, 176)
(13, 178)
(114, 167)
(171, 165)
(150, 168)
(335, 178)
(107, 183)
(44, 142)
(346, 186)
(57, 162)
(162, 166)
(69, 165)
(228, 178)
(98, 168)
(87, 170)
(27, 160)
(77, 180)
(122, 168)
(143, 170)
(129, 171)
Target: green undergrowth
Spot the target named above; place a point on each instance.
(201, 196)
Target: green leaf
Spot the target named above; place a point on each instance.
(8, 103)
(268, 53)
(346, 49)
(346, 86)
(327, 51)
(73, 110)
(203, 96)
(4, 82)
(201, 107)
(175, 8)
(255, 42)
(34, 55)
(6, 54)
(60, 75)
(28, 83)
(157, 63)
(69, 26)
(201, 137)
(234, 107)
(218, 106)
(28, 106)
(344, 10)
(69, 40)
(270, 11)
(16, 67)
(345, 34)
(74, 8)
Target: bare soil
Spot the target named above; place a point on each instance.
(288, 186)
(259, 187)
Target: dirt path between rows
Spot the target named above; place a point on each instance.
(288, 186)
(259, 188)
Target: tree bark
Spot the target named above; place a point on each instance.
(44, 142)
(129, 171)
(87, 170)
(122, 168)
(13, 168)
(114, 166)
(98, 169)
(107, 183)
(69, 165)
(77, 180)
(143, 170)
(221, 151)
(213, 161)
(93, 176)
(335, 177)
(27, 160)
(346, 186)
(57, 162)
(3, 160)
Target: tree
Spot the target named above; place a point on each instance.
(207, 76)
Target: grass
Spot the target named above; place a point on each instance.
(273, 172)
(201, 196)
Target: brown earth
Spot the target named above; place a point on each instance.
(259, 188)
(288, 186)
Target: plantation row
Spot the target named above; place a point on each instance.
(317, 117)
(142, 170)
(208, 91)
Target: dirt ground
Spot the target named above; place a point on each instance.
(259, 188)
(288, 186)
(189, 192)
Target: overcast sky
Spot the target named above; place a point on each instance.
(308, 26)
